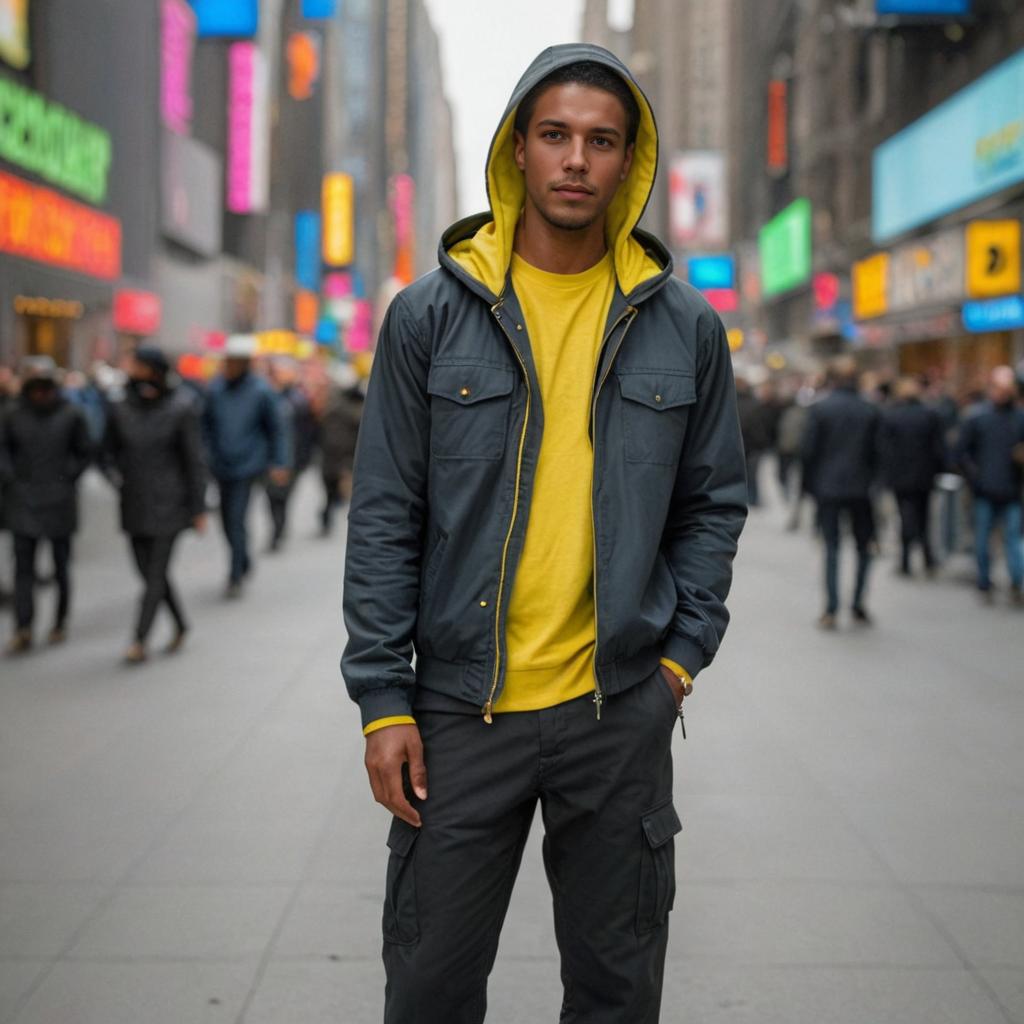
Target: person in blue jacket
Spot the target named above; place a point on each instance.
(245, 439)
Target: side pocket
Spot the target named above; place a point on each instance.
(657, 868)
(401, 922)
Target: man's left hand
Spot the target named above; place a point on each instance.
(279, 475)
(680, 691)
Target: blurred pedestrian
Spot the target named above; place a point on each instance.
(85, 393)
(840, 455)
(9, 386)
(912, 453)
(44, 449)
(755, 425)
(152, 453)
(789, 446)
(339, 429)
(560, 573)
(300, 424)
(991, 455)
(245, 438)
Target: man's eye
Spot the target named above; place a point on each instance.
(602, 142)
(551, 134)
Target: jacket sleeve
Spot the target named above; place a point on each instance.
(80, 451)
(190, 451)
(709, 507)
(385, 523)
(278, 427)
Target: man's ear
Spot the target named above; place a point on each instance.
(520, 150)
(627, 163)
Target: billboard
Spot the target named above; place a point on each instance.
(338, 224)
(307, 249)
(227, 17)
(924, 8)
(14, 48)
(785, 249)
(698, 211)
(705, 272)
(248, 130)
(190, 193)
(177, 40)
(967, 148)
(39, 224)
(993, 258)
(319, 8)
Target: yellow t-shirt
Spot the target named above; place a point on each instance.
(550, 630)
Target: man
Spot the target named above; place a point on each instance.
(549, 489)
(244, 437)
(756, 430)
(912, 452)
(991, 453)
(339, 428)
(298, 417)
(840, 452)
(44, 449)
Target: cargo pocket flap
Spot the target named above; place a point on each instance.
(401, 837)
(661, 825)
(658, 390)
(467, 384)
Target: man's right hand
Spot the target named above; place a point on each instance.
(387, 750)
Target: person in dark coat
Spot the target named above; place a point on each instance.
(756, 427)
(297, 414)
(245, 437)
(991, 454)
(912, 452)
(44, 449)
(840, 453)
(339, 429)
(152, 452)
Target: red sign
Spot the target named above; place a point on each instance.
(723, 300)
(136, 312)
(38, 224)
(778, 127)
(826, 291)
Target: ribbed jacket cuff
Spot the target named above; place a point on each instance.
(390, 702)
(685, 653)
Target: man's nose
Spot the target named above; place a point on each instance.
(576, 156)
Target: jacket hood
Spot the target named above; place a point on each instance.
(481, 246)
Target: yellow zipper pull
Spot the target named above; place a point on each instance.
(487, 714)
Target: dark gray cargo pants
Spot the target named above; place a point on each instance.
(605, 791)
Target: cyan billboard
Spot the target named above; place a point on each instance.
(965, 149)
(925, 8)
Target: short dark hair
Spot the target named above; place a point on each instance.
(589, 73)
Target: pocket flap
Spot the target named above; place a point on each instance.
(661, 825)
(658, 389)
(401, 837)
(467, 383)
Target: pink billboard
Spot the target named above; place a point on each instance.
(177, 41)
(248, 134)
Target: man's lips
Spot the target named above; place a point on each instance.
(574, 190)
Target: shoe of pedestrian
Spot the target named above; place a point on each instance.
(1017, 597)
(986, 595)
(827, 621)
(135, 655)
(233, 591)
(177, 642)
(20, 643)
(861, 617)
(57, 636)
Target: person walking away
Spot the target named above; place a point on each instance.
(9, 387)
(245, 438)
(757, 439)
(297, 414)
(912, 452)
(44, 449)
(153, 455)
(339, 428)
(840, 456)
(789, 443)
(991, 454)
(548, 492)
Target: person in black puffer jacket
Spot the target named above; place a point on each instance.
(44, 449)
(152, 453)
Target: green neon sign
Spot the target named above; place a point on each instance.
(47, 139)
(785, 245)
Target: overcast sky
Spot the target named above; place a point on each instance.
(486, 45)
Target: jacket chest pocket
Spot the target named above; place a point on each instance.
(469, 410)
(655, 409)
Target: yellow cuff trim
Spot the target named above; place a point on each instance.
(383, 723)
(678, 669)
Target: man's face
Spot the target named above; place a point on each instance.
(235, 367)
(574, 155)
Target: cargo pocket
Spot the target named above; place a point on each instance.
(469, 410)
(401, 924)
(657, 868)
(655, 409)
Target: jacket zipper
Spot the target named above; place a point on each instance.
(489, 706)
(630, 313)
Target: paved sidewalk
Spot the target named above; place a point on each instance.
(193, 842)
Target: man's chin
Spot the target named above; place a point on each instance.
(566, 222)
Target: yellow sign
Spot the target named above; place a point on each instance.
(276, 343)
(993, 258)
(338, 220)
(735, 336)
(871, 286)
(14, 33)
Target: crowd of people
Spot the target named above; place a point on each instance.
(844, 439)
(173, 449)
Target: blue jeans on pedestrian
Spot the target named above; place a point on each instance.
(987, 514)
(234, 505)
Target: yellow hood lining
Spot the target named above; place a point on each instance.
(486, 256)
